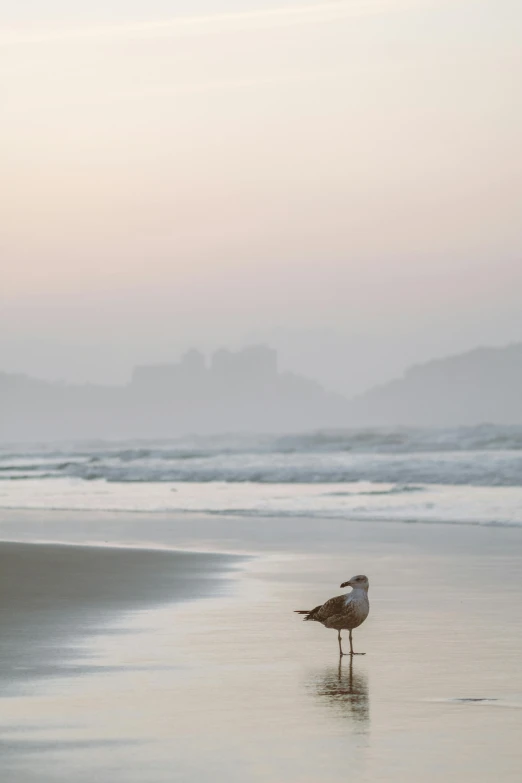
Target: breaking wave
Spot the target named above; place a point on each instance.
(406, 458)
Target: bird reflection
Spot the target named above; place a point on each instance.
(346, 690)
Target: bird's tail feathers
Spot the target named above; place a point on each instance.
(309, 613)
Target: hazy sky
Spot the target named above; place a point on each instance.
(343, 179)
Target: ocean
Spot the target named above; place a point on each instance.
(156, 584)
(465, 475)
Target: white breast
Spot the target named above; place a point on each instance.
(359, 605)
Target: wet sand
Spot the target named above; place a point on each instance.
(53, 596)
(234, 687)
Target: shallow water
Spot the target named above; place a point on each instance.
(237, 688)
(494, 506)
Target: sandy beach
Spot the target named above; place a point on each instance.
(149, 666)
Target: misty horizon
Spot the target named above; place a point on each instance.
(337, 371)
(207, 357)
(246, 391)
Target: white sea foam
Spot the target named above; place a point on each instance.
(479, 456)
(471, 475)
(433, 503)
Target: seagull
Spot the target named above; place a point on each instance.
(346, 611)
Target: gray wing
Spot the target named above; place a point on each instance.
(331, 608)
(342, 613)
(348, 617)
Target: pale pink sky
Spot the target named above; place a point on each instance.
(201, 173)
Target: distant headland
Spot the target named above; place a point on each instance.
(245, 391)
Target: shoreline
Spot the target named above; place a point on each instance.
(450, 504)
(241, 514)
(236, 535)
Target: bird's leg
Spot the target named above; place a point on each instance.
(340, 647)
(351, 646)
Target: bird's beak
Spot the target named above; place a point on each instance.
(346, 584)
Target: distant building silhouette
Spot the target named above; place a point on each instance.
(236, 391)
(255, 362)
(166, 377)
(250, 365)
(244, 391)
